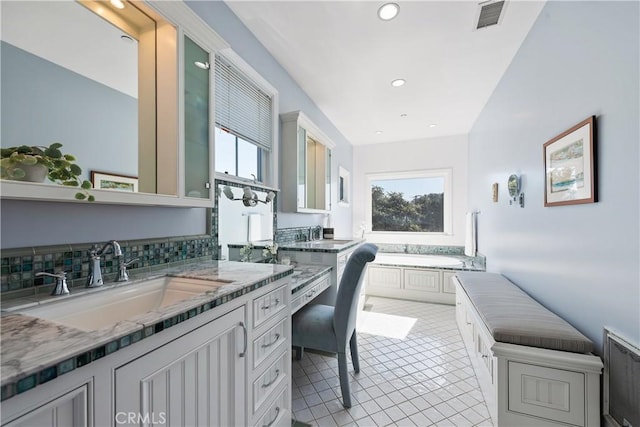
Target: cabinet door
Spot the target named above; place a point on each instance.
(197, 133)
(70, 409)
(448, 287)
(422, 280)
(384, 277)
(197, 379)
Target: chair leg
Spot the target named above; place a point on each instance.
(344, 380)
(353, 344)
(299, 352)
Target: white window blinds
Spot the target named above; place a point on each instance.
(241, 107)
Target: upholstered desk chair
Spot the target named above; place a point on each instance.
(331, 329)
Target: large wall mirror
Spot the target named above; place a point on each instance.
(243, 217)
(86, 75)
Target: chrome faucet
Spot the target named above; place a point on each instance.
(61, 282)
(123, 274)
(95, 273)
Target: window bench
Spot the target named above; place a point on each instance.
(533, 367)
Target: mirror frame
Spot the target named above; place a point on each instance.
(185, 21)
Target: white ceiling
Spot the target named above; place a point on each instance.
(345, 58)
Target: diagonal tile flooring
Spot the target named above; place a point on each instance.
(414, 371)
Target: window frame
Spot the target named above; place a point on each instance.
(447, 174)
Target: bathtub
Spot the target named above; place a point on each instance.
(417, 260)
(416, 277)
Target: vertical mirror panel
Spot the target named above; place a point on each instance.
(302, 167)
(196, 119)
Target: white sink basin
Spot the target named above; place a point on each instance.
(107, 307)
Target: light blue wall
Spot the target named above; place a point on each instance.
(581, 261)
(292, 97)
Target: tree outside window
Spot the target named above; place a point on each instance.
(408, 204)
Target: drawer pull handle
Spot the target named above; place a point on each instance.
(273, 420)
(312, 293)
(267, 307)
(468, 323)
(273, 380)
(272, 342)
(485, 356)
(244, 351)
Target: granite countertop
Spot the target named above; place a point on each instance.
(304, 274)
(35, 350)
(325, 245)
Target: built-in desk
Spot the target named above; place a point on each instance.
(307, 282)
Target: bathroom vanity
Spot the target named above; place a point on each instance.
(218, 357)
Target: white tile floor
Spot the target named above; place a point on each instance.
(421, 379)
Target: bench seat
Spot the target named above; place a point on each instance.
(512, 316)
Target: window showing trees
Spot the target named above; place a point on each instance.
(414, 203)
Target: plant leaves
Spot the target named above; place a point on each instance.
(86, 185)
(75, 169)
(80, 196)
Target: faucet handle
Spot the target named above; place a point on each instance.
(61, 282)
(123, 274)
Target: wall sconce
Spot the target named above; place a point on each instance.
(515, 193)
(249, 197)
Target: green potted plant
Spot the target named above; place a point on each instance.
(35, 163)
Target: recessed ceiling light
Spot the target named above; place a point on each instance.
(117, 4)
(378, 132)
(432, 125)
(398, 82)
(388, 11)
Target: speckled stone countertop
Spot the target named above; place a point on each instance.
(325, 245)
(35, 350)
(304, 274)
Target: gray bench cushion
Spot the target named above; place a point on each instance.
(514, 317)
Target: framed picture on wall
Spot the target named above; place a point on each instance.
(570, 166)
(110, 181)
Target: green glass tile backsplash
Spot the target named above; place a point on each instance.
(19, 266)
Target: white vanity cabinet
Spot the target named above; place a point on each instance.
(306, 175)
(197, 379)
(418, 284)
(69, 409)
(230, 365)
(270, 372)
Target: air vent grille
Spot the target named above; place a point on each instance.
(489, 14)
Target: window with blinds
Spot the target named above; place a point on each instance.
(241, 107)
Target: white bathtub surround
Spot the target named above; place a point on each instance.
(417, 277)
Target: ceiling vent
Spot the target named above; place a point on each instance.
(489, 14)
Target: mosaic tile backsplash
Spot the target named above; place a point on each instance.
(19, 266)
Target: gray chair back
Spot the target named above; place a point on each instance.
(345, 311)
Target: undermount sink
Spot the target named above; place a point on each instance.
(107, 307)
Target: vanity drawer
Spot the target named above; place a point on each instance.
(277, 414)
(302, 297)
(267, 306)
(272, 377)
(267, 343)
